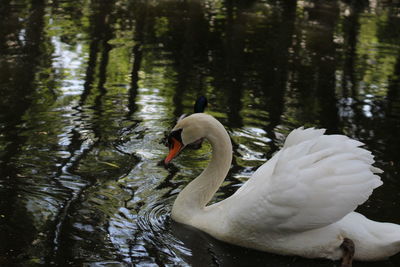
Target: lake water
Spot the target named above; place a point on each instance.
(89, 89)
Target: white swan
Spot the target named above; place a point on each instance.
(301, 202)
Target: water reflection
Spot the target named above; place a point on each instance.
(88, 89)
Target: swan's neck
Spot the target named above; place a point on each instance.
(195, 196)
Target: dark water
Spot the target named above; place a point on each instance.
(89, 88)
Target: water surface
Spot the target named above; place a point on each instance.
(88, 90)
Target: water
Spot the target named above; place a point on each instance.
(88, 90)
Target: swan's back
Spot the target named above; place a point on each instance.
(313, 181)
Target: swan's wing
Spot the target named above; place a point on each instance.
(313, 181)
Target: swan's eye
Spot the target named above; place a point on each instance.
(174, 134)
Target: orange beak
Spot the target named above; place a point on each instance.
(174, 150)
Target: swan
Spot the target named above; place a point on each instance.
(300, 202)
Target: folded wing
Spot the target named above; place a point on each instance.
(313, 181)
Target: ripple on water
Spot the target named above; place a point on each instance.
(146, 234)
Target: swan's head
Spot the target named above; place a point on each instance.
(187, 131)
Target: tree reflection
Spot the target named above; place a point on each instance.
(351, 30)
(18, 67)
(100, 34)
